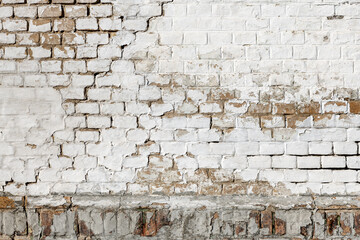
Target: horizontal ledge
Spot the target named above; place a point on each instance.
(182, 202)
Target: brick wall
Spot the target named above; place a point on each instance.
(173, 98)
(127, 217)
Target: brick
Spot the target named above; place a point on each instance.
(309, 108)
(51, 66)
(283, 162)
(271, 148)
(149, 93)
(150, 10)
(305, 52)
(107, 24)
(195, 38)
(296, 121)
(29, 66)
(7, 38)
(186, 163)
(50, 39)
(82, 81)
(98, 122)
(353, 134)
(86, 24)
(295, 175)
(245, 38)
(75, 11)
(40, 52)
(335, 107)
(38, 1)
(92, 108)
(271, 175)
(353, 162)
(13, 25)
(135, 162)
(320, 148)
(63, 1)
(98, 65)
(74, 66)
(345, 176)
(354, 106)
(86, 52)
(320, 175)
(64, 25)
(73, 38)
(236, 162)
(272, 121)
(25, 12)
(210, 108)
(292, 37)
(171, 38)
(6, 12)
(209, 161)
(333, 162)
(50, 11)
(308, 162)
(109, 52)
(40, 25)
(12, 1)
(324, 120)
(99, 94)
(100, 10)
(60, 80)
(284, 108)
(259, 108)
(259, 162)
(112, 108)
(135, 24)
(328, 52)
(345, 148)
(15, 52)
(97, 38)
(63, 52)
(125, 122)
(297, 148)
(27, 38)
(170, 66)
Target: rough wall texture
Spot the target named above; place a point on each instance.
(183, 97)
(129, 217)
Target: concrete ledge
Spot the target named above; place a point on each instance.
(189, 202)
(179, 217)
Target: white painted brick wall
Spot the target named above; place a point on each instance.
(144, 95)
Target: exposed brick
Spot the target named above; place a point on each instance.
(357, 223)
(28, 38)
(64, 25)
(296, 121)
(40, 25)
(50, 11)
(354, 106)
(280, 226)
(311, 108)
(284, 108)
(74, 38)
(267, 221)
(259, 108)
(50, 39)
